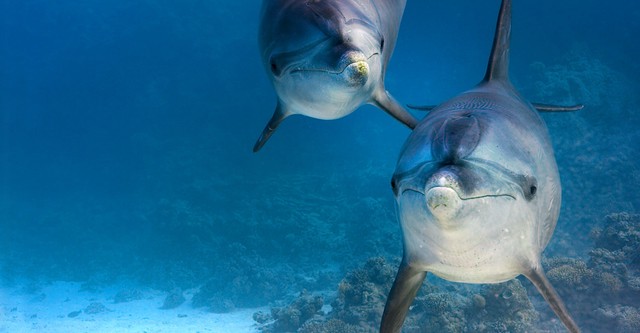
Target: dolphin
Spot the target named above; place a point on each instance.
(477, 190)
(326, 58)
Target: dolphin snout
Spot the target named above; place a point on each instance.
(356, 68)
(357, 73)
(445, 177)
(443, 202)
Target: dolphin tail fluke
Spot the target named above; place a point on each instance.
(404, 290)
(386, 102)
(557, 108)
(538, 278)
(498, 67)
(276, 119)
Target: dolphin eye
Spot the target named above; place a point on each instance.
(274, 68)
(382, 44)
(530, 188)
(394, 185)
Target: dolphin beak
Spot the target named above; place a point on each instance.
(443, 202)
(357, 73)
(355, 68)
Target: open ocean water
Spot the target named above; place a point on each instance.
(130, 200)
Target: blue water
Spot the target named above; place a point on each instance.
(126, 131)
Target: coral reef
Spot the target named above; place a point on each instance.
(606, 284)
(330, 326)
(618, 242)
(503, 307)
(440, 311)
(357, 307)
(246, 280)
(363, 292)
(507, 309)
(290, 318)
(362, 295)
(619, 318)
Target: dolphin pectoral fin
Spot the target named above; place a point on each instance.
(404, 290)
(383, 100)
(557, 108)
(276, 119)
(421, 107)
(538, 278)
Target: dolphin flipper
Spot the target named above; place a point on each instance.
(538, 278)
(384, 100)
(404, 290)
(276, 119)
(556, 108)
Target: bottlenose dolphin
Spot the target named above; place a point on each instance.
(327, 58)
(477, 190)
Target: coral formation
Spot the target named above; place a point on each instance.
(243, 291)
(246, 280)
(357, 307)
(503, 307)
(329, 326)
(606, 284)
(290, 318)
(507, 306)
(619, 318)
(440, 311)
(363, 292)
(95, 307)
(362, 295)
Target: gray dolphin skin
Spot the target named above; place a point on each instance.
(477, 190)
(326, 58)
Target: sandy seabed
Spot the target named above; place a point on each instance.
(63, 307)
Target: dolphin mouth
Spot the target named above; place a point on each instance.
(338, 71)
(421, 179)
(461, 197)
(474, 197)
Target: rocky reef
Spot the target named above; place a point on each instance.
(357, 306)
(361, 296)
(602, 293)
(362, 293)
(245, 280)
(291, 318)
(503, 307)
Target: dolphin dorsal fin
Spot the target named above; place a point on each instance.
(498, 68)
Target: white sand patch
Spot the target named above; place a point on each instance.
(48, 311)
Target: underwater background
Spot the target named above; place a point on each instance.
(126, 130)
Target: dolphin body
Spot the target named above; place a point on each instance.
(327, 58)
(477, 190)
